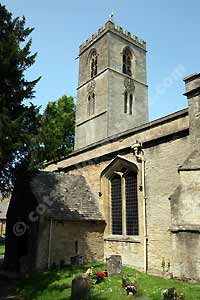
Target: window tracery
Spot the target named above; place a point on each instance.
(120, 195)
(127, 56)
(91, 104)
(128, 95)
(91, 98)
(125, 102)
(124, 195)
(93, 64)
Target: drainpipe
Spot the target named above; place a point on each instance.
(139, 154)
(50, 237)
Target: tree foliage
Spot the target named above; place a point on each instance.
(18, 122)
(56, 136)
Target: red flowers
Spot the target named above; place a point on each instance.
(102, 274)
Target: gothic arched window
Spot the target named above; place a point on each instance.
(120, 195)
(124, 203)
(129, 98)
(130, 104)
(93, 64)
(125, 102)
(91, 104)
(127, 56)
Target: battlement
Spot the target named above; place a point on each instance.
(110, 26)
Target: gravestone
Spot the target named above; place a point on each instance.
(77, 260)
(114, 263)
(81, 286)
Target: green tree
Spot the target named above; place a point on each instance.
(56, 137)
(18, 122)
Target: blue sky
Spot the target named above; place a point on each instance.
(170, 28)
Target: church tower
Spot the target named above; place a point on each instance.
(112, 85)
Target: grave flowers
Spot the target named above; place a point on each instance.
(96, 277)
(100, 275)
(131, 290)
(129, 286)
(171, 294)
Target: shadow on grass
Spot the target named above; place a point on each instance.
(92, 297)
(56, 285)
(31, 288)
(51, 283)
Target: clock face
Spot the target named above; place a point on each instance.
(91, 86)
(129, 84)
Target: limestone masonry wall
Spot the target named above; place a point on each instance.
(88, 237)
(161, 172)
(162, 178)
(162, 162)
(68, 239)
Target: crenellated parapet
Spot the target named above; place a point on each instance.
(110, 26)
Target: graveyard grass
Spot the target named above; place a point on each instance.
(57, 285)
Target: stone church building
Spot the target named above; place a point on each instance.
(141, 179)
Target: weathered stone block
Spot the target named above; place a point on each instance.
(81, 286)
(114, 263)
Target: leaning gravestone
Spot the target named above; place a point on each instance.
(114, 263)
(81, 286)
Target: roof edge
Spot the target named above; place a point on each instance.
(146, 126)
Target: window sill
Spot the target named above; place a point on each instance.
(126, 239)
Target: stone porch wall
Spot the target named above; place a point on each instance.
(88, 235)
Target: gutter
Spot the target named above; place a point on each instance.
(139, 154)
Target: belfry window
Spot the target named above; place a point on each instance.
(93, 64)
(124, 204)
(126, 69)
(128, 103)
(125, 102)
(91, 104)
